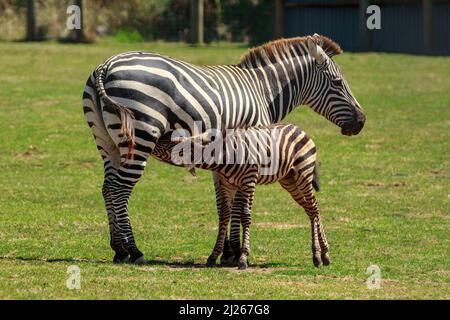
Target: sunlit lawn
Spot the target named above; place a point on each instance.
(384, 200)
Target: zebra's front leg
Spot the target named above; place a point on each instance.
(232, 248)
(248, 192)
(235, 224)
(227, 256)
(224, 218)
(224, 196)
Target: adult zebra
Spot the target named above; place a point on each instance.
(134, 98)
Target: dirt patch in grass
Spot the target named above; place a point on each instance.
(278, 225)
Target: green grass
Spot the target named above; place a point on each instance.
(384, 200)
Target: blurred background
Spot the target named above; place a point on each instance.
(407, 26)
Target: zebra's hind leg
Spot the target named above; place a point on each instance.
(320, 245)
(128, 174)
(111, 163)
(324, 248)
(302, 192)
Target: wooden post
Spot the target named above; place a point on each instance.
(218, 8)
(428, 26)
(31, 20)
(79, 33)
(279, 19)
(364, 33)
(197, 22)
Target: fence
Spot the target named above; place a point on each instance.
(411, 26)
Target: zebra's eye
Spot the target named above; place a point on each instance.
(337, 82)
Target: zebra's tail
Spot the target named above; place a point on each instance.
(126, 115)
(316, 182)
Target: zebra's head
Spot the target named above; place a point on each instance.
(329, 93)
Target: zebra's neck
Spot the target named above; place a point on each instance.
(284, 81)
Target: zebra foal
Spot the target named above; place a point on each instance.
(292, 163)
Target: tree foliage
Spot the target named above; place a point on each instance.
(136, 20)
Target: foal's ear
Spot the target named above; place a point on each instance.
(315, 50)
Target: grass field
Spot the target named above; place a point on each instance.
(384, 200)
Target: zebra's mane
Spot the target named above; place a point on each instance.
(273, 51)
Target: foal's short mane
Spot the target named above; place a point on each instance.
(272, 50)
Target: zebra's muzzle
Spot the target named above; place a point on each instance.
(346, 130)
(354, 127)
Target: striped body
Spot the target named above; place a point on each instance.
(292, 147)
(295, 156)
(133, 99)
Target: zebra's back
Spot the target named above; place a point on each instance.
(274, 151)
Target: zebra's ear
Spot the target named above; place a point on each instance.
(318, 39)
(312, 46)
(191, 169)
(330, 47)
(315, 50)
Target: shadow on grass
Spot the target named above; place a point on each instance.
(167, 263)
(51, 260)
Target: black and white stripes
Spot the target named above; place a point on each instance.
(292, 163)
(133, 99)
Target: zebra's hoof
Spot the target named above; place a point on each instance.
(211, 262)
(140, 260)
(326, 259)
(243, 263)
(317, 260)
(228, 261)
(121, 258)
(227, 257)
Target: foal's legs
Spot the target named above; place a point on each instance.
(235, 224)
(248, 192)
(312, 210)
(232, 247)
(224, 196)
(227, 254)
(302, 192)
